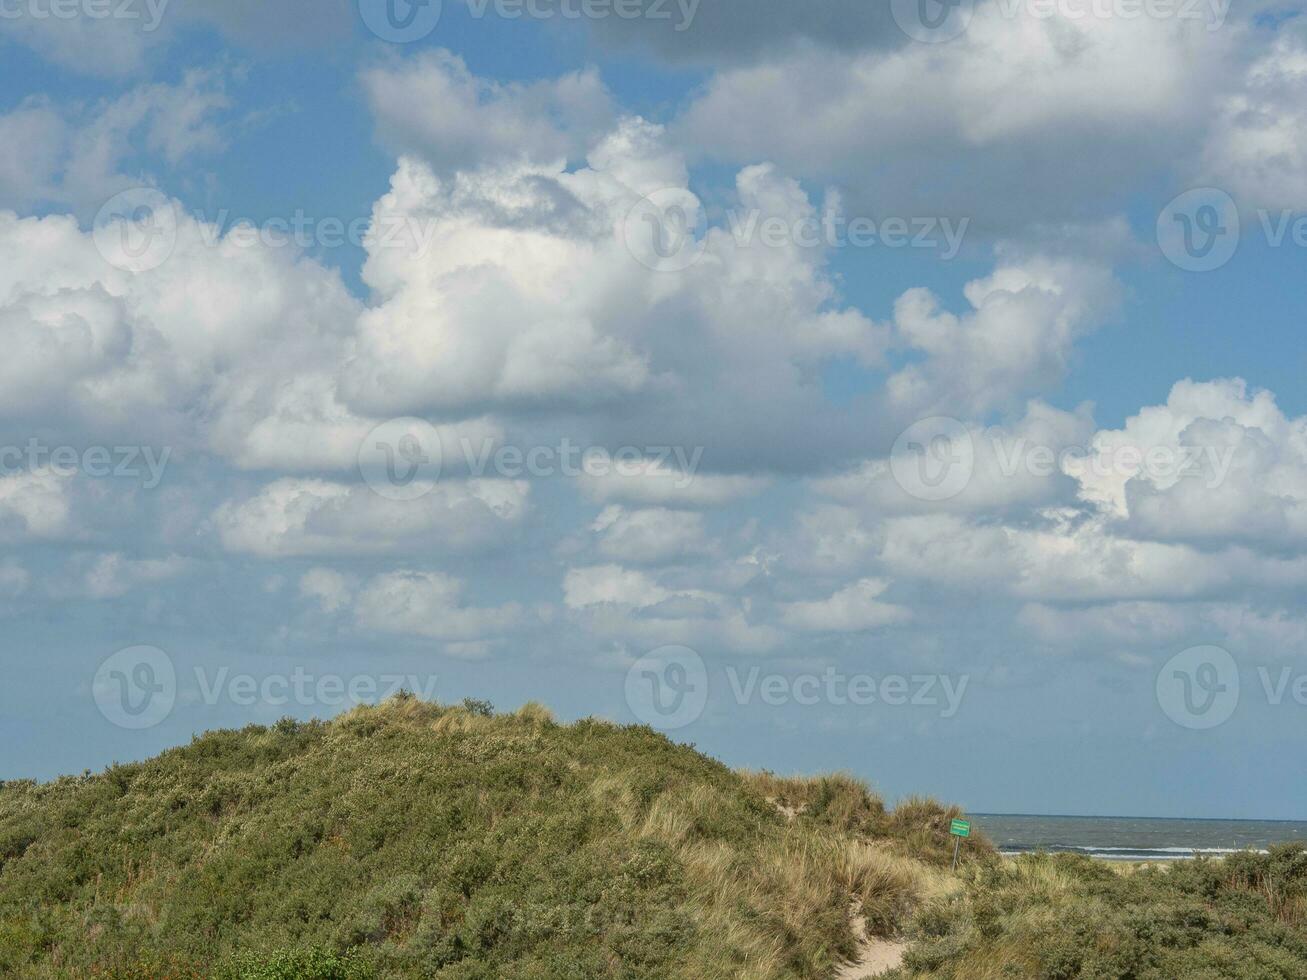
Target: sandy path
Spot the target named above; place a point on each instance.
(874, 956)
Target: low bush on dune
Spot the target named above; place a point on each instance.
(415, 840)
(1064, 917)
(918, 827)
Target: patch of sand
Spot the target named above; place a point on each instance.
(874, 956)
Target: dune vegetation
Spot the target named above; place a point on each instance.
(415, 840)
(1069, 917)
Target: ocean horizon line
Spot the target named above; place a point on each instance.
(1119, 816)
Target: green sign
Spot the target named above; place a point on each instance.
(960, 828)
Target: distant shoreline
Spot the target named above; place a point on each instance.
(1135, 858)
(1135, 839)
(1117, 816)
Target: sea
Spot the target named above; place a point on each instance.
(1134, 838)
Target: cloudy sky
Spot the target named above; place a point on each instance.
(897, 387)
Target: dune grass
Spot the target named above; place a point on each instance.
(418, 840)
(1060, 917)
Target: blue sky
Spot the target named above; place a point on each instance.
(1035, 485)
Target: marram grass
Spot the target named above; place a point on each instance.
(1068, 917)
(415, 840)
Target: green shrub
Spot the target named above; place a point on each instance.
(415, 840)
(1068, 917)
(296, 964)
